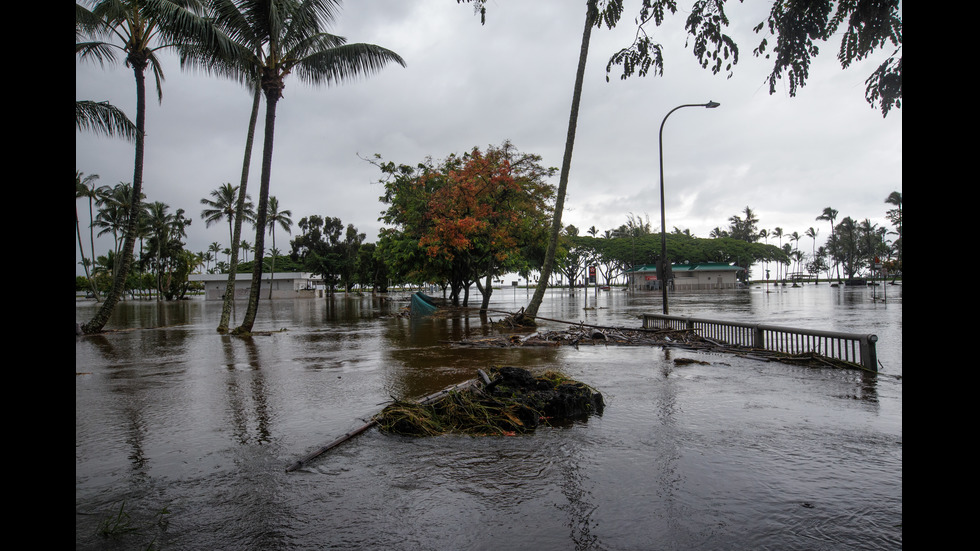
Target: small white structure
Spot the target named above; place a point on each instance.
(284, 285)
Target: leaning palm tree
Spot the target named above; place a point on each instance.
(230, 15)
(280, 218)
(277, 38)
(137, 29)
(591, 16)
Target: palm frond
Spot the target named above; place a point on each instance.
(343, 63)
(104, 118)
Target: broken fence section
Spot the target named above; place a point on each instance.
(854, 348)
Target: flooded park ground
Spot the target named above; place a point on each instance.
(183, 436)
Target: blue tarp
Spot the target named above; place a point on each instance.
(422, 305)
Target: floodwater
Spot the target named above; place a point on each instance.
(183, 436)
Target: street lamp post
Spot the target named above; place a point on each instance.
(663, 215)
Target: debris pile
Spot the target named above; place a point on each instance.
(589, 335)
(512, 402)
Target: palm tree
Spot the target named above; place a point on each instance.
(223, 206)
(229, 14)
(811, 232)
(116, 207)
(85, 188)
(831, 215)
(277, 38)
(141, 28)
(591, 16)
(280, 218)
(244, 246)
(895, 217)
(215, 249)
(778, 233)
(795, 238)
(100, 117)
(160, 221)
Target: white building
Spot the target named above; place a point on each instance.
(284, 285)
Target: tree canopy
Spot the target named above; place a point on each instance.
(790, 37)
(466, 218)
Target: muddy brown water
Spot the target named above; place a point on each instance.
(182, 435)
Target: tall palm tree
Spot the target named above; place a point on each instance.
(85, 188)
(215, 249)
(811, 232)
(244, 246)
(223, 206)
(795, 238)
(830, 215)
(139, 29)
(280, 218)
(116, 207)
(777, 232)
(591, 16)
(277, 38)
(895, 217)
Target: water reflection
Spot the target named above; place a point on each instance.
(247, 398)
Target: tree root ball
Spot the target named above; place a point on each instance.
(552, 398)
(512, 402)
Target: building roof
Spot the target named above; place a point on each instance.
(247, 276)
(699, 267)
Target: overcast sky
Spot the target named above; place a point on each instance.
(468, 84)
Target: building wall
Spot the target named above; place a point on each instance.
(692, 281)
(686, 281)
(281, 288)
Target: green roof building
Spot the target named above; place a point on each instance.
(687, 277)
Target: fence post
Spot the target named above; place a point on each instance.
(758, 337)
(869, 352)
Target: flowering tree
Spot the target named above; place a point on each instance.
(469, 219)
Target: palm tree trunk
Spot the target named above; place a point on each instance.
(239, 215)
(119, 277)
(91, 240)
(271, 100)
(272, 270)
(549, 258)
(91, 282)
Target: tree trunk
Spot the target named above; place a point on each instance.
(129, 241)
(91, 240)
(229, 297)
(272, 268)
(486, 291)
(271, 100)
(549, 258)
(91, 282)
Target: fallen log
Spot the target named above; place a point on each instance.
(374, 421)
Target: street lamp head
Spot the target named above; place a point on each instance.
(712, 104)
